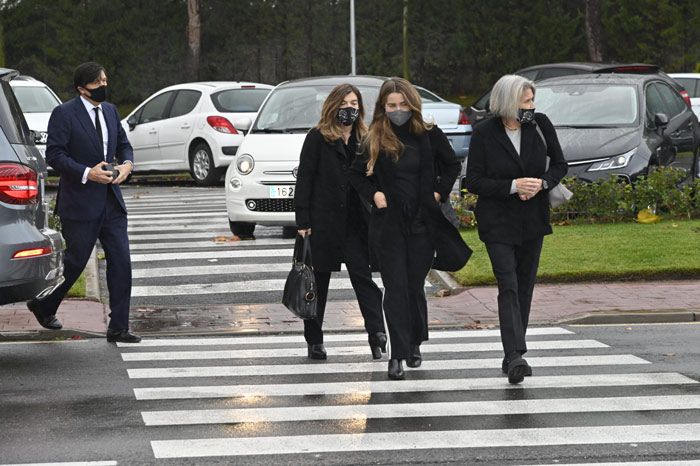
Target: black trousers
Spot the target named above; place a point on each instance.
(515, 269)
(369, 296)
(405, 263)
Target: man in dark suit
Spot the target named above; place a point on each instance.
(84, 137)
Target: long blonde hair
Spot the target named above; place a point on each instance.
(328, 125)
(381, 136)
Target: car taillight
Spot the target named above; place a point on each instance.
(463, 118)
(18, 184)
(34, 252)
(686, 97)
(221, 124)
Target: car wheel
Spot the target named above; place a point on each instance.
(243, 230)
(202, 166)
(289, 232)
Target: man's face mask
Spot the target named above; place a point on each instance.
(399, 117)
(347, 115)
(526, 115)
(99, 94)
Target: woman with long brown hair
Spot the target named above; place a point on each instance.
(408, 232)
(329, 210)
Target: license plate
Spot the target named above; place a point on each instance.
(277, 192)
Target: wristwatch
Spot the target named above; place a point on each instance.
(545, 185)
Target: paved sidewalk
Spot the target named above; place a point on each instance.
(670, 301)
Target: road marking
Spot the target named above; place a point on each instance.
(186, 235)
(634, 463)
(212, 269)
(365, 367)
(219, 226)
(174, 256)
(218, 220)
(243, 340)
(425, 440)
(73, 463)
(210, 244)
(182, 196)
(348, 350)
(178, 215)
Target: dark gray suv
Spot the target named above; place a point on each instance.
(31, 253)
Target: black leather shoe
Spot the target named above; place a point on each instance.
(415, 359)
(377, 343)
(517, 368)
(506, 361)
(122, 336)
(49, 322)
(395, 369)
(317, 351)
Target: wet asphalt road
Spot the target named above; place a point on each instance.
(90, 400)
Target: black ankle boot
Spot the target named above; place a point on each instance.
(415, 359)
(317, 351)
(377, 343)
(395, 369)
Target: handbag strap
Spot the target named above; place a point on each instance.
(302, 250)
(544, 140)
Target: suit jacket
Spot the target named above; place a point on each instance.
(493, 164)
(72, 146)
(451, 253)
(325, 201)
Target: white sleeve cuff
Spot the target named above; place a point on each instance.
(513, 188)
(85, 175)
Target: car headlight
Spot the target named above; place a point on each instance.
(613, 163)
(245, 164)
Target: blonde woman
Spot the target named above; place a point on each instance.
(328, 209)
(407, 227)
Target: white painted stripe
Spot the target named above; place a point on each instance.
(177, 215)
(348, 350)
(403, 410)
(219, 226)
(210, 269)
(211, 243)
(186, 235)
(634, 463)
(176, 209)
(219, 220)
(181, 196)
(258, 340)
(425, 440)
(172, 256)
(204, 201)
(365, 367)
(73, 463)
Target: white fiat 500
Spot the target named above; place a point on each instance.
(193, 126)
(260, 183)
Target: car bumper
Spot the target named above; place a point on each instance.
(224, 147)
(252, 201)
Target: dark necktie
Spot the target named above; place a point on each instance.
(98, 127)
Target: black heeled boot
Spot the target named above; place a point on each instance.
(395, 369)
(377, 343)
(415, 359)
(317, 351)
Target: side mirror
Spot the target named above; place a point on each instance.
(660, 120)
(132, 122)
(242, 124)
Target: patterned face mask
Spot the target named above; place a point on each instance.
(526, 115)
(348, 115)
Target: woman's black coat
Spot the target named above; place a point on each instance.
(385, 224)
(321, 199)
(493, 164)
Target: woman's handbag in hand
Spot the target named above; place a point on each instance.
(300, 294)
(559, 194)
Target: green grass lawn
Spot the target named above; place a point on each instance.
(78, 288)
(626, 251)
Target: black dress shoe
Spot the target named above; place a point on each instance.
(517, 368)
(415, 359)
(506, 361)
(49, 322)
(377, 343)
(395, 369)
(122, 336)
(316, 351)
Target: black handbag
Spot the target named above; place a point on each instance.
(300, 294)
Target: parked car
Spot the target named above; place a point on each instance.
(450, 118)
(31, 253)
(480, 109)
(193, 126)
(620, 125)
(691, 83)
(37, 101)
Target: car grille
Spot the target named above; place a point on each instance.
(270, 205)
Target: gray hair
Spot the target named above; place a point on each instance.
(506, 95)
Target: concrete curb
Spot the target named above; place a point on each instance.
(633, 317)
(92, 285)
(48, 335)
(445, 280)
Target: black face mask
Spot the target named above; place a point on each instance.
(526, 115)
(99, 94)
(348, 115)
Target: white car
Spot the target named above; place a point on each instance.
(37, 101)
(691, 83)
(193, 126)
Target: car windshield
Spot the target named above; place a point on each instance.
(239, 100)
(299, 108)
(585, 105)
(35, 99)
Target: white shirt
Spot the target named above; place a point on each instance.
(90, 108)
(514, 137)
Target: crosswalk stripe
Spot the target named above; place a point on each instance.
(364, 367)
(181, 210)
(209, 244)
(167, 236)
(423, 440)
(437, 409)
(219, 219)
(272, 339)
(173, 256)
(70, 463)
(182, 196)
(634, 463)
(211, 269)
(213, 227)
(174, 215)
(348, 350)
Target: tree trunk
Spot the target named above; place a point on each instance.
(594, 30)
(405, 40)
(194, 39)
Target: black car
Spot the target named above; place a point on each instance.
(480, 109)
(625, 125)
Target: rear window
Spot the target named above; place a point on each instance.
(239, 100)
(690, 85)
(36, 99)
(586, 105)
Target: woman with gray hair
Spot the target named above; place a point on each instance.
(507, 169)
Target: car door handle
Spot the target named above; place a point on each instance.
(185, 126)
(153, 131)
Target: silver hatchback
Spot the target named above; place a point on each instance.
(31, 253)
